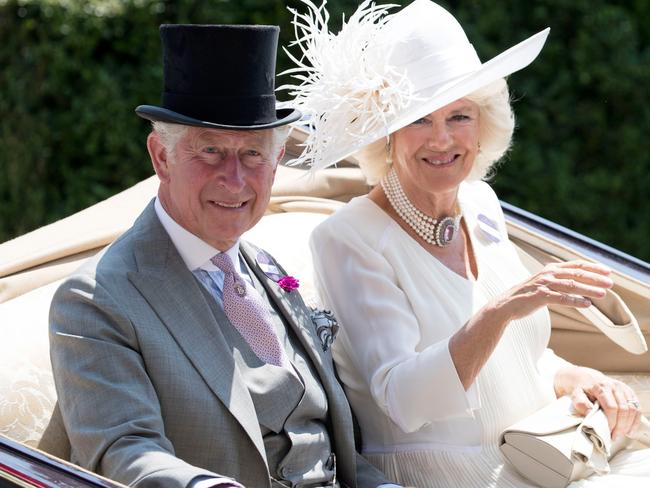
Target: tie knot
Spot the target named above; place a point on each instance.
(223, 262)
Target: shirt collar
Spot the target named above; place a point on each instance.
(194, 252)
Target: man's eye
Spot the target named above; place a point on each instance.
(210, 150)
(254, 158)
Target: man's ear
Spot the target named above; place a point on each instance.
(158, 155)
(279, 157)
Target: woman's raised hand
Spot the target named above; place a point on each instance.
(572, 283)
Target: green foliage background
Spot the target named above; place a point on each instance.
(72, 71)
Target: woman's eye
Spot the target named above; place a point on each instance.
(421, 121)
(253, 152)
(460, 117)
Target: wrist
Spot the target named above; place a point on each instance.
(562, 383)
(498, 313)
(571, 377)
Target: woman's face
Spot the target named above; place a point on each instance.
(435, 154)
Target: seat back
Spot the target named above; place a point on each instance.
(32, 267)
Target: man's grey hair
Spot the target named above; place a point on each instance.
(497, 124)
(171, 133)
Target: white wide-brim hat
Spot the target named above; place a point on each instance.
(382, 72)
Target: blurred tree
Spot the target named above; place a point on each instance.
(579, 156)
(72, 72)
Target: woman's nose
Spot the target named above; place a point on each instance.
(440, 136)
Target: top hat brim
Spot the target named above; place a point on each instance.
(284, 116)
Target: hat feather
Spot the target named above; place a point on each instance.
(346, 87)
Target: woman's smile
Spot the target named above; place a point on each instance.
(441, 160)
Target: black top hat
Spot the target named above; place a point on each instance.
(219, 76)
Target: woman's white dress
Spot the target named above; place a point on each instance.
(398, 306)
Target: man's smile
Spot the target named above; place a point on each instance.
(226, 204)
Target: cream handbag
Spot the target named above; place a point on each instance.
(554, 446)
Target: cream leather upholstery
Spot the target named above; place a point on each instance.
(27, 395)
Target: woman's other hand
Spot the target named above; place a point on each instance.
(572, 283)
(618, 400)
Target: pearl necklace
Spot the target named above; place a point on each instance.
(433, 231)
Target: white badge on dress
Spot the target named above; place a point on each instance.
(488, 228)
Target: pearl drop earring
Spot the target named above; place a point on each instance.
(389, 150)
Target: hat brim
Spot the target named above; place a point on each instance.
(284, 116)
(427, 101)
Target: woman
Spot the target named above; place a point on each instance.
(444, 334)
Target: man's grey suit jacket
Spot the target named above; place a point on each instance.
(147, 385)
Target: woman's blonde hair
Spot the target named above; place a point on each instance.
(497, 123)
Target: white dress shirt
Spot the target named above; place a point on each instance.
(195, 252)
(196, 255)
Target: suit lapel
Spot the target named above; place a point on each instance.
(293, 310)
(173, 292)
(296, 315)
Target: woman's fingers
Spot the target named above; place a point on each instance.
(584, 276)
(581, 401)
(568, 283)
(633, 408)
(566, 299)
(618, 402)
(636, 423)
(574, 287)
(571, 284)
(598, 268)
(624, 415)
(603, 394)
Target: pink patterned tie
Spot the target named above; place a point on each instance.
(249, 314)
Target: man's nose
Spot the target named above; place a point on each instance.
(231, 174)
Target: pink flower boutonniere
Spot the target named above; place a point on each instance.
(266, 263)
(288, 283)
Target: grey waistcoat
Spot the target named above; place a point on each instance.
(291, 406)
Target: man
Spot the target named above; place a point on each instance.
(178, 359)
